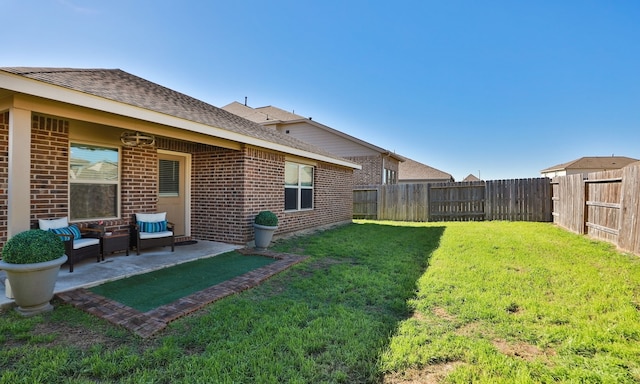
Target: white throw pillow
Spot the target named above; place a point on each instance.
(46, 224)
(151, 217)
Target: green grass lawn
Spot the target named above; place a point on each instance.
(376, 302)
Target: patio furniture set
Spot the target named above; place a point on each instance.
(148, 230)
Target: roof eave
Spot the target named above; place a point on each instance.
(21, 84)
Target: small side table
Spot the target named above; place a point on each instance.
(116, 242)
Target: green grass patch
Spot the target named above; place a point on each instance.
(151, 290)
(488, 302)
(523, 303)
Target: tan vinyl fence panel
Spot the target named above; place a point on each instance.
(514, 200)
(602, 205)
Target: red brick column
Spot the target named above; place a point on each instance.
(49, 167)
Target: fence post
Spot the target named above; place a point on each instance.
(629, 231)
(489, 195)
(428, 203)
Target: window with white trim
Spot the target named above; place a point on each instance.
(298, 187)
(94, 182)
(389, 177)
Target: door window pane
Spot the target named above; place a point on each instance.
(169, 178)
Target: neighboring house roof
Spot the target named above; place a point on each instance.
(471, 177)
(245, 112)
(593, 162)
(101, 170)
(270, 115)
(262, 114)
(275, 113)
(415, 171)
(125, 88)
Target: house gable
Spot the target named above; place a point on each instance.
(311, 133)
(378, 164)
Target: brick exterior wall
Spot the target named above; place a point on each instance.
(4, 173)
(49, 167)
(333, 194)
(217, 195)
(371, 172)
(138, 183)
(228, 187)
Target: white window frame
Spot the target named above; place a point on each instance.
(116, 182)
(299, 187)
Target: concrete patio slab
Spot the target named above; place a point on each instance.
(88, 273)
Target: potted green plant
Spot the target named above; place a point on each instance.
(265, 224)
(32, 260)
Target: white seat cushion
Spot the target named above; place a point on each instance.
(85, 242)
(155, 235)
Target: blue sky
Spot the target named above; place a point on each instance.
(501, 88)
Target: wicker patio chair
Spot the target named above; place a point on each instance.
(78, 243)
(150, 230)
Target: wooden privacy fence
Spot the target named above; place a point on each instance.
(604, 205)
(513, 200)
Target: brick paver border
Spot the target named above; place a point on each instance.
(149, 323)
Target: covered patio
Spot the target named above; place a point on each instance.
(116, 266)
(72, 288)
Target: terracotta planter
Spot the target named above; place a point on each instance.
(264, 234)
(32, 284)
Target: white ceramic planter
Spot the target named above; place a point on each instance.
(32, 284)
(263, 236)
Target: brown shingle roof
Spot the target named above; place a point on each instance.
(275, 113)
(471, 177)
(123, 87)
(593, 162)
(413, 170)
(245, 112)
(261, 114)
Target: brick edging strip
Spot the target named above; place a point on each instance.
(149, 323)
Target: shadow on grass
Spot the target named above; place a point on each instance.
(326, 319)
